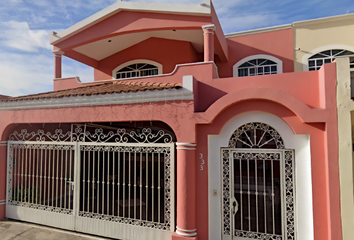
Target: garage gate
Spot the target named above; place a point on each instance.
(116, 184)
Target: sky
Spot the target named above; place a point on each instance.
(26, 61)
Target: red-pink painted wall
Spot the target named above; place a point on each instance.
(164, 51)
(276, 43)
(307, 110)
(128, 22)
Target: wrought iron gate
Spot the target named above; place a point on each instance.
(258, 194)
(258, 197)
(114, 184)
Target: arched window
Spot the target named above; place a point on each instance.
(317, 60)
(256, 135)
(137, 68)
(258, 65)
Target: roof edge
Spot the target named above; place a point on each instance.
(203, 9)
(324, 20)
(259, 30)
(101, 99)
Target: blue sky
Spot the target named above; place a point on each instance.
(26, 61)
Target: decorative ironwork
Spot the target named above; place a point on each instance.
(27, 172)
(99, 136)
(226, 196)
(256, 135)
(290, 195)
(254, 235)
(134, 154)
(288, 198)
(41, 169)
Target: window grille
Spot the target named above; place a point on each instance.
(257, 67)
(316, 61)
(137, 70)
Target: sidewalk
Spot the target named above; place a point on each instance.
(15, 230)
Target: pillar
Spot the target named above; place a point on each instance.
(3, 182)
(186, 196)
(57, 63)
(208, 32)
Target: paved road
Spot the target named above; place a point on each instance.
(14, 230)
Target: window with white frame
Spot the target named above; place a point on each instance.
(137, 68)
(258, 65)
(317, 60)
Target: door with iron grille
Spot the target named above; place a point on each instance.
(258, 196)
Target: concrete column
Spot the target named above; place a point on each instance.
(57, 63)
(208, 31)
(186, 199)
(3, 182)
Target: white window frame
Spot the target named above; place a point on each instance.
(135, 61)
(258, 56)
(305, 58)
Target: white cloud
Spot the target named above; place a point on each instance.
(18, 35)
(22, 74)
(25, 73)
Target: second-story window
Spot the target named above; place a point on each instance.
(137, 70)
(316, 61)
(255, 65)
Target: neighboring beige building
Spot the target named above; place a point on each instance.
(317, 42)
(345, 112)
(315, 36)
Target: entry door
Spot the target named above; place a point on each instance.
(260, 188)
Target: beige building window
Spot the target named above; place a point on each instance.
(316, 61)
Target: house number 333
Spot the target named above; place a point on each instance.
(201, 161)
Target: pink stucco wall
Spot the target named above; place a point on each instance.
(276, 43)
(282, 95)
(167, 52)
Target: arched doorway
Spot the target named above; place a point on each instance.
(257, 185)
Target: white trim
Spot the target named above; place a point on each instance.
(305, 58)
(210, 26)
(181, 9)
(186, 234)
(303, 178)
(58, 52)
(260, 30)
(77, 79)
(186, 144)
(158, 65)
(184, 230)
(258, 56)
(106, 99)
(184, 148)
